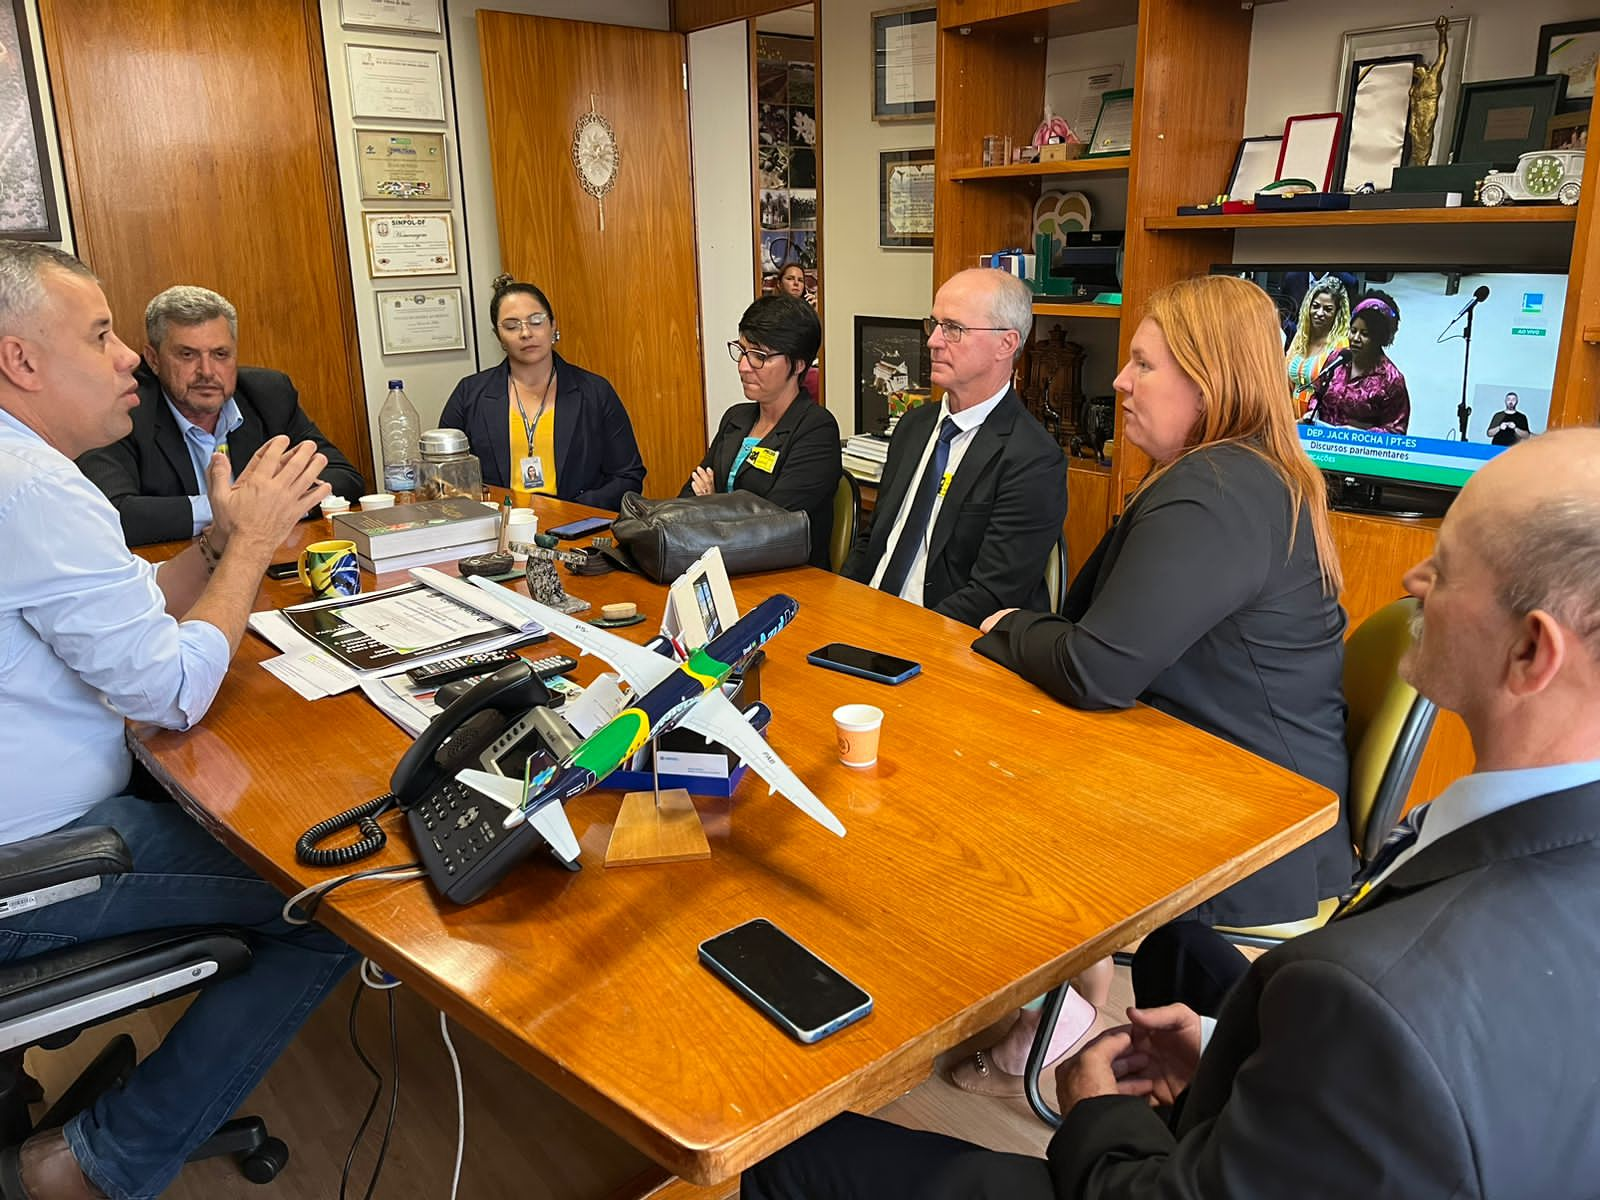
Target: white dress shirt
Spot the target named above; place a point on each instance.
(85, 641)
(969, 421)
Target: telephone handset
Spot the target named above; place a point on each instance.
(459, 735)
(460, 835)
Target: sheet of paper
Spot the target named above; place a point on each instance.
(313, 674)
(908, 72)
(417, 620)
(277, 629)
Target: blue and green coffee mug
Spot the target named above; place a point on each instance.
(330, 569)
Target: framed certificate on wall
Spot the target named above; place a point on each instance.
(386, 81)
(419, 320)
(407, 16)
(400, 243)
(402, 164)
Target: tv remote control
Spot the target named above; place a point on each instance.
(554, 664)
(447, 670)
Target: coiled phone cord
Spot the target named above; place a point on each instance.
(363, 818)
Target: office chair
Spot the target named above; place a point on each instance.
(1386, 731)
(846, 520)
(48, 999)
(1055, 575)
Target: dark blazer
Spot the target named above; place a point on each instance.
(148, 474)
(597, 458)
(806, 474)
(1437, 1042)
(997, 523)
(1194, 603)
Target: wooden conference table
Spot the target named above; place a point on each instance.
(1002, 842)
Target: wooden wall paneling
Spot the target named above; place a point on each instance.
(989, 82)
(175, 177)
(1188, 119)
(1577, 388)
(1088, 494)
(627, 298)
(689, 15)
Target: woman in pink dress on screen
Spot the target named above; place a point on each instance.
(1365, 390)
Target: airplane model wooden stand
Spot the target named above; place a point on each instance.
(657, 826)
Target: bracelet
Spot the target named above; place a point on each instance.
(209, 552)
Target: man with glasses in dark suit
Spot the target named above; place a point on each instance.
(974, 492)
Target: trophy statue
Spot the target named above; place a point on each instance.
(1426, 83)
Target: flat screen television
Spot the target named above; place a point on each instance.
(1403, 433)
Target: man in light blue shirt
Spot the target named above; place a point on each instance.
(1436, 1037)
(89, 636)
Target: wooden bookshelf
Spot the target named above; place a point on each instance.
(1117, 165)
(1560, 214)
(1099, 311)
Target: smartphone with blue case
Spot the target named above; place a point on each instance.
(868, 664)
(789, 985)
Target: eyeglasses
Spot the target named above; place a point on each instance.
(513, 326)
(758, 358)
(954, 332)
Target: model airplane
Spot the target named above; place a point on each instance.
(667, 694)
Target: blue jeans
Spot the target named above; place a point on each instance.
(133, 1142)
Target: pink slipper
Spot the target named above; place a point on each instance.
(978, 1074)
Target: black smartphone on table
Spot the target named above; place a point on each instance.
(789, 985)
(868, 664)
(283, 570)
(582, 527)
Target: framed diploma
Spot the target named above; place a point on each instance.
(904, 63)
(407, 16)
(421, 320)
(409, 244)
(905, 199)
(398, 164)
(390, 82)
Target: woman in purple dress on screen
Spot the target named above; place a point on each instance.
(1366, 390)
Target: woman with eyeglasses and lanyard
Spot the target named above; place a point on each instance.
(780, 445)
(536, 422)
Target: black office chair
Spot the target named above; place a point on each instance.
(48, 999)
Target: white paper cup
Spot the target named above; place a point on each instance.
(858, 727)
(520, 528)
(377, 500)
(334, 504)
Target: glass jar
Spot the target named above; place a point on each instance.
(447, 468)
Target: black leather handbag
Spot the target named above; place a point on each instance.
(663, 537)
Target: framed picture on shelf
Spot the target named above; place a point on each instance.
(1254, 166)
(904, 44)
(1422, 39)
(1569, 131)
(28, 210)
(1571, 49)
(893, 369)
(1113, 129)
(905, 199)
(1501, 119)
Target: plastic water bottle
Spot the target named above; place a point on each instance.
(399, 429)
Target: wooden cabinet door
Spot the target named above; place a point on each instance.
(626, 297)
(198, 148)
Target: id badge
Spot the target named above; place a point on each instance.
(764, 459)
(530, 470)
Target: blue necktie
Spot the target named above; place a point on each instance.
(915, 529)
(1400, 839)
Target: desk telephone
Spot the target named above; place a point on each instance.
(499, 725)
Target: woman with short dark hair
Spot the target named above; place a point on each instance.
(1366, 391)
(779, 444)
(538, 423)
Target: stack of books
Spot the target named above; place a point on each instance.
(864, 456)
(414, 535)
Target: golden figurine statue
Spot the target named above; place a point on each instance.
(1426, 84)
